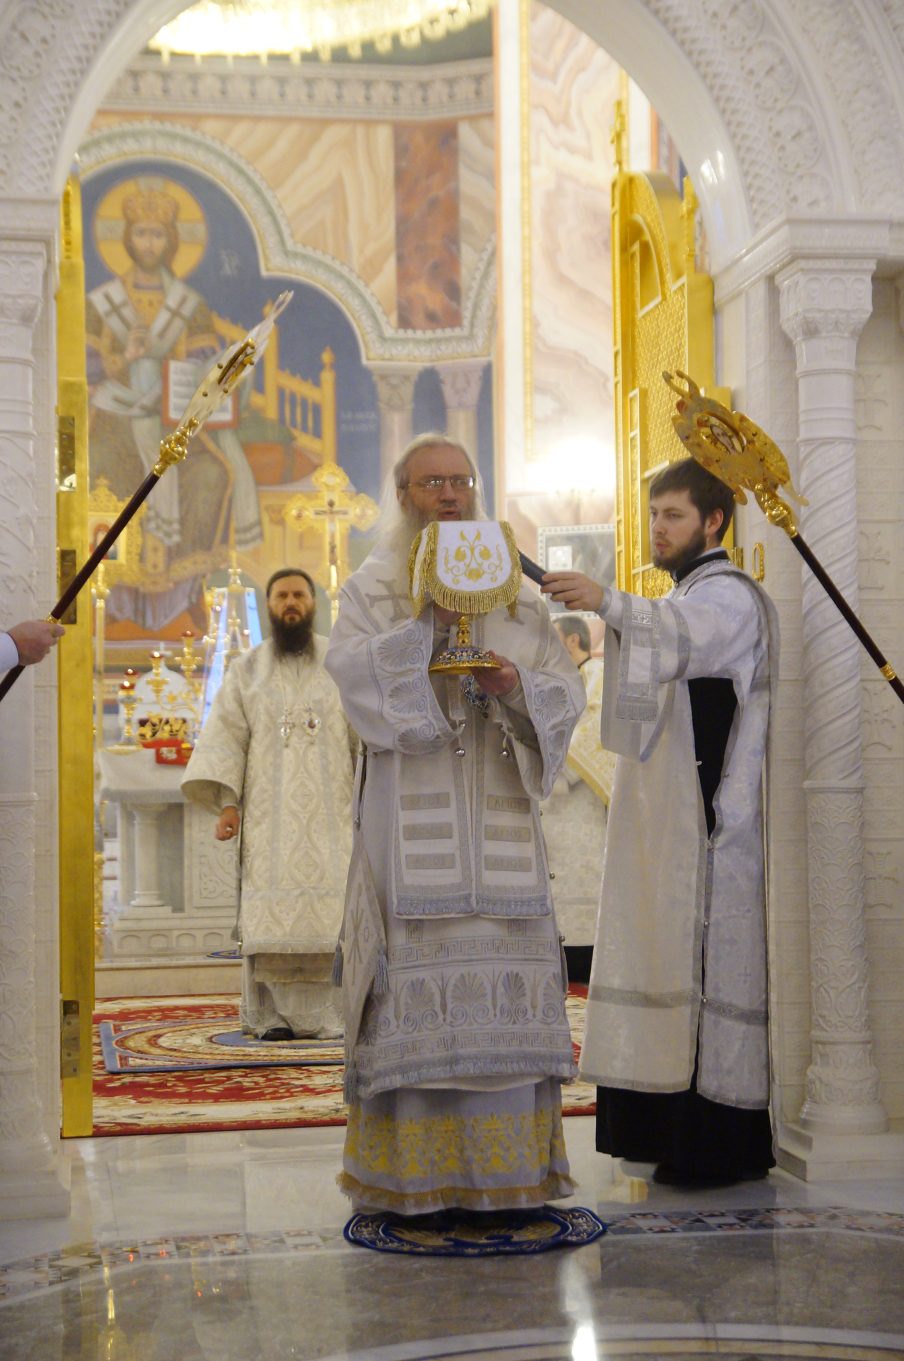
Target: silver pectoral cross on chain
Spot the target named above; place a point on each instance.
(286, 727)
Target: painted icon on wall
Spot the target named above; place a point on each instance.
(174, 276)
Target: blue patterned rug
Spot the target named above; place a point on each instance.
(470, 1233)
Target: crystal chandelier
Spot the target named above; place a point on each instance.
(293, 27)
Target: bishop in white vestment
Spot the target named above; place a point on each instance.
(453, 980)
(275, 760)
(676, 1033)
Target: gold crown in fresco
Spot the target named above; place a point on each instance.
(150, 206)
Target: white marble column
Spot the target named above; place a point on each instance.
(146, 894)
(824, 305)
(395, 400)
(33, 1175)
(461, 389)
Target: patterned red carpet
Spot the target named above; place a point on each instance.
(181, 1064)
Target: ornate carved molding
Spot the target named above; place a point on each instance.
(48, 49)
(856, 74)
(451, 90)
(380, 340)
(22, 268)
(752, 59)
(753, 74)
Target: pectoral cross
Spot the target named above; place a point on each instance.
(286, 727)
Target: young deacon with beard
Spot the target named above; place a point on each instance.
(453, 986)
(275, 760)
(676, 1033)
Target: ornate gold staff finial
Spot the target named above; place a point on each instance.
(734, 449)
(217, 384)
(730, 446)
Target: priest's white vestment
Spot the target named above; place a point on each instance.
(679, 907)
(276, 744)
(453, 980)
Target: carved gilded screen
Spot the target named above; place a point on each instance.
(663, 319)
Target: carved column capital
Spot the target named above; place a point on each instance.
(22, 268)
(826, 300)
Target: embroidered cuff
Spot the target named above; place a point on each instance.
(612, 609)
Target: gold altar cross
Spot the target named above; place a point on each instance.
(335, 510)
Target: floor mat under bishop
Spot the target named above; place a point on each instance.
(470, 1233)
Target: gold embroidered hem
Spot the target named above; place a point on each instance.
(416, 1150)
(455, 1198)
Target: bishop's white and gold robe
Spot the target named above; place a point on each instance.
(292, 781)
(453, 979)
(679, 905)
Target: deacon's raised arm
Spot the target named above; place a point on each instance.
(692, 637)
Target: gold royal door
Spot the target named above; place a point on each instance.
(662, 309)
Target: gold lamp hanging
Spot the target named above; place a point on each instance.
(471, 567)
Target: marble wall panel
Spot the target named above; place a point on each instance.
(334, 182)
(880, 498)
(476, 192)
(573, 87)
(428, 264)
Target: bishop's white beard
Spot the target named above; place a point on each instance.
(409, 521)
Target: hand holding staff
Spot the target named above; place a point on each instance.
(225, 375)
(732, 448)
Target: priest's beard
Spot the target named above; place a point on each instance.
(673, 562)
(294, 639)
(415, 520)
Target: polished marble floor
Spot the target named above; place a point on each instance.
(228, 1247)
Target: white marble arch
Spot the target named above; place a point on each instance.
(789, 116)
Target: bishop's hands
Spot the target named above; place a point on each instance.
(573, 590)
(499, 681)
(228, 823)
(492, 681)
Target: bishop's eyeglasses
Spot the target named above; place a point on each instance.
(461, 482)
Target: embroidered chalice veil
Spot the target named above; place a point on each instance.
(471, 566)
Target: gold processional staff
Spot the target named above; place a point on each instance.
(222, 379)
(729, 445)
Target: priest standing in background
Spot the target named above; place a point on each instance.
(275, 759)
(676, 1033)
(453, 984)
